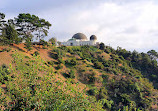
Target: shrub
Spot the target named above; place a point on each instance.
(36, 53)
(93, 91)
(107, 103)
(51, 63)
(103, 93)
(43, 42)
(27, 57)
(59, 66)
(28, 44)
(72, 74)
(102, 46)
(72, 61)
(61, 61)
(4, 72)
(98, 65)
(91, 78)
(53, 41)
(105, 78)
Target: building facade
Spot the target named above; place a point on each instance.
(80, 39)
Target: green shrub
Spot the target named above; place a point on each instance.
(72, 74)
(27, 57)
(61, 61)
(107, 103)
(98, 65)
(28, 44)
(60, 66)
(36, 53)
(93, 91)
(43, 42)
(4, 72)
(72, 61)
(51, 63)
(91, 78)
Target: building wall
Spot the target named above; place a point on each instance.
(78, 43)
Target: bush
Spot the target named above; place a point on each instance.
(102, 46)
(43, 42)
(59, 67)
(98, 65)
(36, 53)
(91, 78)
(5, 49)
(93, 91)
(61, 61)
(27, 57)
(51, 63)
(72, 74)
(4, 72)
(72, 61)
(28, 44)
(53, 41)
(107, 103)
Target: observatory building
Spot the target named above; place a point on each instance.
(80, 39)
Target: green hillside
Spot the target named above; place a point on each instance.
(42, 76)
(75, 78)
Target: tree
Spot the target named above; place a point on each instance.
(28, 43)
(24, 23)
(9, 34)
(153, 54)
(2, 21)
(53, 41)
(42, 27)
(28, 24)
(102, 46)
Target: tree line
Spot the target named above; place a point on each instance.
(147, 63)
(23, 27)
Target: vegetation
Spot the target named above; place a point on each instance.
(82, 78)
(53, 41)
(23, 27)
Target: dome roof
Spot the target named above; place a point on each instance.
(79, 36)
(93, 37)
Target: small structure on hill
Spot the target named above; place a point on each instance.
(79, 39)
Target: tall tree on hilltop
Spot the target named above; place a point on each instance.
(9, 33)
(24, 22)
(153, 54)
(2, 21)
(42, 27)
(28, 24)
(102, 46)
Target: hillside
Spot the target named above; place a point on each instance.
(74, 78)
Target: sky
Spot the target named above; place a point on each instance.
(130, 24)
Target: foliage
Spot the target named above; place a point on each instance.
(4, 72)
(36, 53)
(51, 63)
(9, 34)
(71, 62)
(28, 91)
(27, 24)
(44, 43)
(102, 46)
(28, 43)
(2, 21)
(72, 74)
(98, 65)
(53, 41)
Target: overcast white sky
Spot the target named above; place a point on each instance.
(130, 24)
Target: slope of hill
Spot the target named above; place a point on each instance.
(72, 78)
